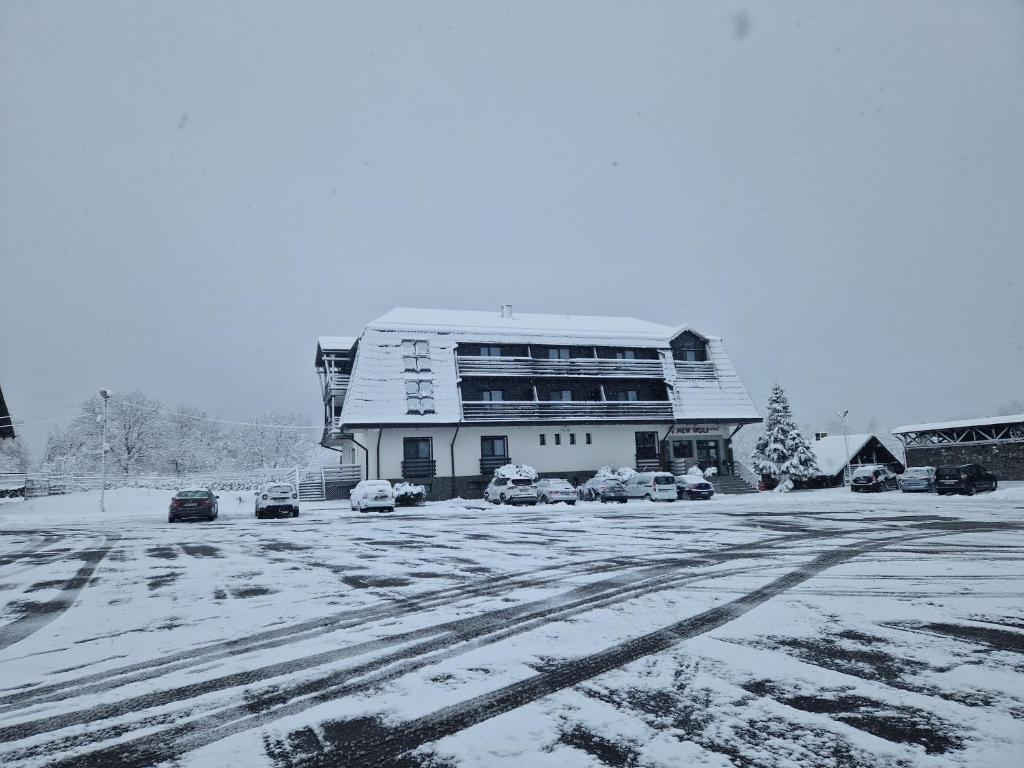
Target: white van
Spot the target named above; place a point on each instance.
(652, 486)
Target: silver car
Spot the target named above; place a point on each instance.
(918, 479)
(554, 490)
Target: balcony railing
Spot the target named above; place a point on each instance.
(336, 384)
(332, 431)
(561, 410)
(490, 463)
(695, 370)
(418, 468)
(579, 366)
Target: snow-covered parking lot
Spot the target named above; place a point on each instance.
(812, 629)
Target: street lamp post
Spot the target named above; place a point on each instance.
(846, 447)
(105, 394)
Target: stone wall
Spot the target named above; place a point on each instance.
(1004, 460)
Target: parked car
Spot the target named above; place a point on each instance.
(373, 494)
(277, 500)
(652, 486)
(603, 489)
(967, 479)
(511, 490)
(192, 503)
(873, 477)
(918, 479)
(694, 487)
(554, 490)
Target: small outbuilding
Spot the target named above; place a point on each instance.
(835, 452)
(995, 442)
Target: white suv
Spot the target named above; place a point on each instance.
(373, 494)
(277, 500)
(652, 486)
(515, 490)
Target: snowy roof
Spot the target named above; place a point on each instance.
(834, 451)
(963, 424)
(378, 387)
(569, 329)
(336, 343)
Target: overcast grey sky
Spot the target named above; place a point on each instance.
(191, 192)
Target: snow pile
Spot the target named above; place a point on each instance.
(516, 472)
(622, 474)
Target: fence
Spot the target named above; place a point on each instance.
(12, 485)
(313, 483)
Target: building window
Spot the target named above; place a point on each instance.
(558, 439)
(543, 439)
(682, 449)
(560, 394)
(625, 354)
(558, 353)
(490, 351)
(418, 448)
(589, 441)
(629, 395)
(494, 447)
(416, 355)
(492, 395)
(572, 438)
(419, 396)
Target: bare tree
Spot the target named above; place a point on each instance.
(190, 441)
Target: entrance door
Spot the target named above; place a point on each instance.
(709, 454)
(647, 445)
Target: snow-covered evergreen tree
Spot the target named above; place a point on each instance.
(781, 451)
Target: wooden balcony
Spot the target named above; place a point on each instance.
(593, 367)
(332, 434)
(416, 468)
(695, 370)
(336, 385)
(561, 410)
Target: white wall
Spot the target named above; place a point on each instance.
(612, 445)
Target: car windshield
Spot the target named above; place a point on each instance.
(613, 485)
(193, 494)
(949, 473)
(280, 489)
(560, 485)
(865, 472)
(664, 480)
(377, 484)
(522, 481)
(918, 472)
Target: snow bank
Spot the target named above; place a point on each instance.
(622, 474)
(517, 471)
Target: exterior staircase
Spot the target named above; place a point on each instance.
(731, 484)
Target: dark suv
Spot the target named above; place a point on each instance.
(967, 479)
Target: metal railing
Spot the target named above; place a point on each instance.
(578, 366)
(413, 468)
(490, 463)
(746, 473)
(561, 410)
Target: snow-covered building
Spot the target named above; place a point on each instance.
(995, 442)
(443, 397)
(835, 452)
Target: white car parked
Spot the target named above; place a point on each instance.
(652, 486)
(514, 490)
(277, 500)
(373, 494)
(554, 490)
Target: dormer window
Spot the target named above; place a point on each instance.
(690, 348)
(416, 355)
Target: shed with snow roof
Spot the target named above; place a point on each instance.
(835, 452)
(995, 442)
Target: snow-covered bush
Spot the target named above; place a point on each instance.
(710, 472)
(409, 495)
(695, 471)
(516, 472)
(784, 487)
(622, 474)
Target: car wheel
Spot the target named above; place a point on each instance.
(995, 485)
(501, 499)
(295, 513)
(571, 503)
(971, 491)
(647, 497)
(172, 519)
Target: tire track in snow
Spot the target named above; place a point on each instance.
(41, 614)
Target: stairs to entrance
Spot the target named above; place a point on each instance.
(731, 484)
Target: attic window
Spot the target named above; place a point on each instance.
(419, 396)
(692, 349)
(416, 355)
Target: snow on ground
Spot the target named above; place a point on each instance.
(807, 629)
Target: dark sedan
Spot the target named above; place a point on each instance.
(966, 479)
(602, 489)
(192, 504)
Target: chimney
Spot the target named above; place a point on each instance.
(506, 311)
